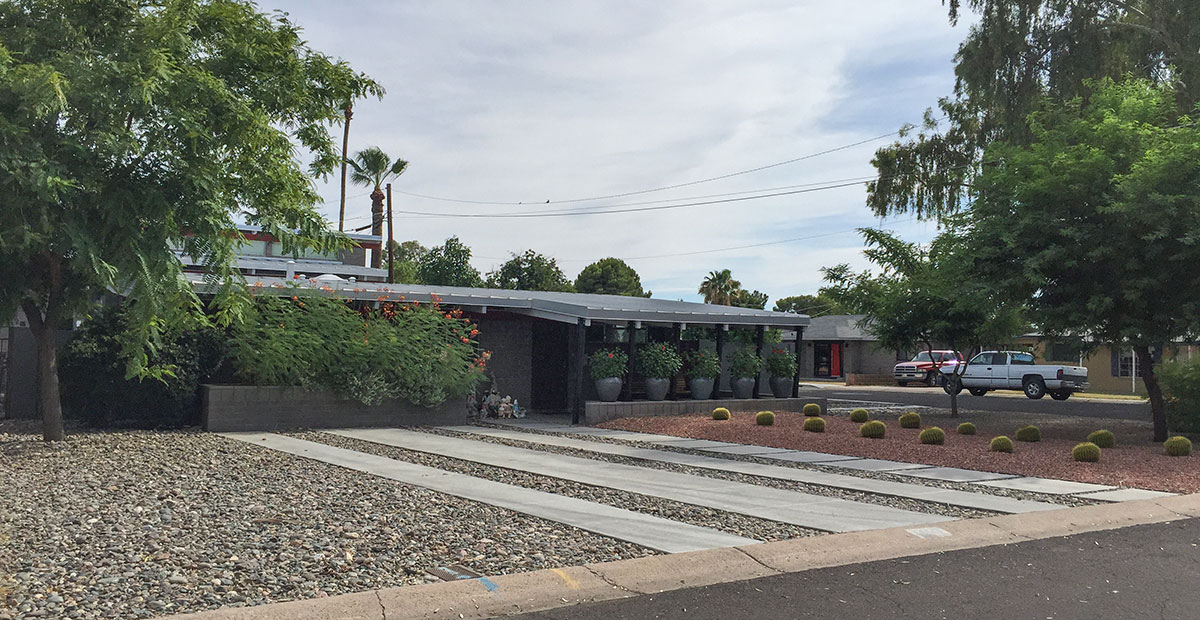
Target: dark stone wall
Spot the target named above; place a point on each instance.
(21, 398)
(233, 408)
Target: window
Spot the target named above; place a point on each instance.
(1065, 352)
(983, 359)
(1123, 363)
(1022, 359)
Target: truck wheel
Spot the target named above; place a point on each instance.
(977, 391)
(930, 379)
(902, 383)
(1034, 388)
(953, 386)
(1060, 395)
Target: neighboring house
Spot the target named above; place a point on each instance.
(262, 256)
(1111, 370)
(836, 346)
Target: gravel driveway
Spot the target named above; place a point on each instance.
(136, 524)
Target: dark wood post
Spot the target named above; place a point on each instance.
(676, 336)
(391, 239)
(798, 348)
(758, 346)
(720, 358)
(578, 357)
(627, 388)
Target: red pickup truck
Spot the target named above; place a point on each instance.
(921, 367)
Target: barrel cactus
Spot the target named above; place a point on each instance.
(1086, 452)
(764, 418)
(1028, 433)
(1103, 439)
(812, 409)
(1001, 444)
(859, 416)
(873, 429)
(933, 436)
(911, 419)
(720, 413)
(966, 428)
(814, 425)
(1178, 446)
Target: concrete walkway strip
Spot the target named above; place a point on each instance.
(1048, 486)
(748, 450)
(646, 530)
(804, 456)
(814, 511)
(954, 474)
(877, 465)
(952, 497)
(1125, 495)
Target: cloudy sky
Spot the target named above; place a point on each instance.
(509, 102)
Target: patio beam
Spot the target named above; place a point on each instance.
(758, 348)
(676, 337)
(630, 343)
(796, 379)
(578, 358)
(720, 358)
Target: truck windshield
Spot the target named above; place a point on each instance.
(924, 357)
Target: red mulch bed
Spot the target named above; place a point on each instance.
(1134, 463)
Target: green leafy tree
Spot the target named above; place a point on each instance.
(1096, 221)
(719, 288)
(448, 264)
(820, 304)
(407, 257)
(922, 295)
(1016, 54)
(610, 276)
(749, 299)
(128, 129)
(530, 271)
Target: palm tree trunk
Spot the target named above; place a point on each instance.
(377, 224)
(345, 147)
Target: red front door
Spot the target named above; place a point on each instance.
(835, 360)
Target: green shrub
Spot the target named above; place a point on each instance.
(1001, 444)
(1028, 433)
(720, 413)
(1103, 439)
(415, 352)
(966, 428)
(873, 429)
(1178, 446)
(933, 436)
(814, 425)
(658, 361)
(764, 418)
(92, 373)
(703, 365)
(812, 409)
(911, 419)
(859, 416)
(1181, 389)
(1086, 452)
(744, 364)
(781, 363)
(608, 364)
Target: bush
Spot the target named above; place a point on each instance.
(95, 389)
(814, 425)
(933, 436)
(1086, 452)
(415, 352)
(873, 429)
(1103, 439)
(744, 364)
(911, 419)
(1181, 389)
(781, 363)
(859, 416)
(1001, 444)
(703, 365)
(608, 364)
(658, 361)
(966, 428)
(720, 413)
(812, 409)
(1028, 433)
(764, 418)
(1178, 446)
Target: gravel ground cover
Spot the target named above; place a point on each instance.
(750, 527)
(814, 489)
(1134, 462)
(139, 524)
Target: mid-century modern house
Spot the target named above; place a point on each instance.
(836, 346)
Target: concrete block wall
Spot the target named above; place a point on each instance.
(510, 339)
(232, 408)
(596, 412)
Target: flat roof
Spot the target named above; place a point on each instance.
(563, 307)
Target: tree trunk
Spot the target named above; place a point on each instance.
(47, 355)
(345, 145)
(1158, 406)
(377, 197)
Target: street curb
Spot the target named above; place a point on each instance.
(505, 595)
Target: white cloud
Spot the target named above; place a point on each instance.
(535, 101)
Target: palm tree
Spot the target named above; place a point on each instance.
(349, 110)
(372, 168)
(719, 288)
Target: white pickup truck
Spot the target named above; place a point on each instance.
(1010, 370)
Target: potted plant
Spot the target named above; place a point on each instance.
(781, 367)
(703, 368)
(744, 366)
(658, 363)
(607, 368)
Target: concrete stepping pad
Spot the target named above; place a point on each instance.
(803, 456)
(954, 474)
(747, 450)
(1125, 495)
(829, 514)
(693, 444)
(642, 529)
(937, 495)
(877, 465)
(1048, 486)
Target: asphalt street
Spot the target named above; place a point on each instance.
(935, 397)
(1149, 571)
